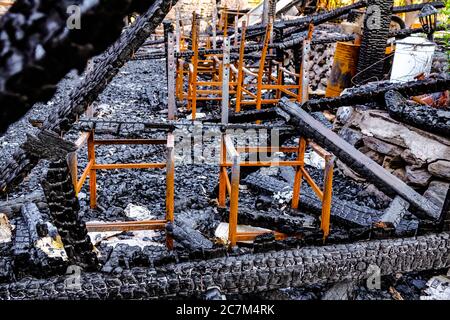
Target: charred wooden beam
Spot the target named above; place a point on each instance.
(374, 38)
(417, 7)
(63, 205)
(420, 116)
(308, 127)
(60, 194)
(251, 272)
(374, 92)
(393, 215)
(12, 207)
(38, 53)
(109, 63)
(343, 212)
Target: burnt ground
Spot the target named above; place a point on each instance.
(138, 93)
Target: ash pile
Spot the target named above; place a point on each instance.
(101, 200)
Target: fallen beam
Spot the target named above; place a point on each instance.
(374, 92)
(424, 117)
(108, 65)
(250, 273)
(38, 52)
(342, 211)
(310, 128)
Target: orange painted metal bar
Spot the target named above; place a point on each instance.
(129, 141)
(228, 184)
(265, 164)
(112, 166)
(267, 149)
(250, 236)
(92, 172)
(83, 177)
(298, 174)
(327, 195)
(319, 150)
(313, 185)
(261, 66)
(125, 225)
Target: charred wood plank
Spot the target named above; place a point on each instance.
(12, 207)
(251, 272)
(374, 92)
(393, 214)
(308, 127)
(424, 117)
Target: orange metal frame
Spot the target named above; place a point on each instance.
(91, 172)
(246, 93)
(232, 187)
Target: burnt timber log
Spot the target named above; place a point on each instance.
(342, 211)
(249, 273)
(424, 117)
(12, 207)
(38, 49)
(63, 205)
(108, 65)
(374, 92)
(374, 38)
(60, 194)
(310, 128)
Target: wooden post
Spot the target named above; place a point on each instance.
(225, 80)
(304, 76)
(170, 184)
(171, 88)
(240, 79)
(194, 64)
(222, 173)
(214, 28)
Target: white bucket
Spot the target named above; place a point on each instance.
(413, 55)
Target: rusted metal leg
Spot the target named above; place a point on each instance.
(170, 185)
(92, 171)
(327, 194)
(298, 174)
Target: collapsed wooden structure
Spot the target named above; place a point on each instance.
(290, 103)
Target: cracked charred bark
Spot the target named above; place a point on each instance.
(248, 273)
(420, 116)
(109, 63)
(64, 207)
(376, 31)
(38, 49)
